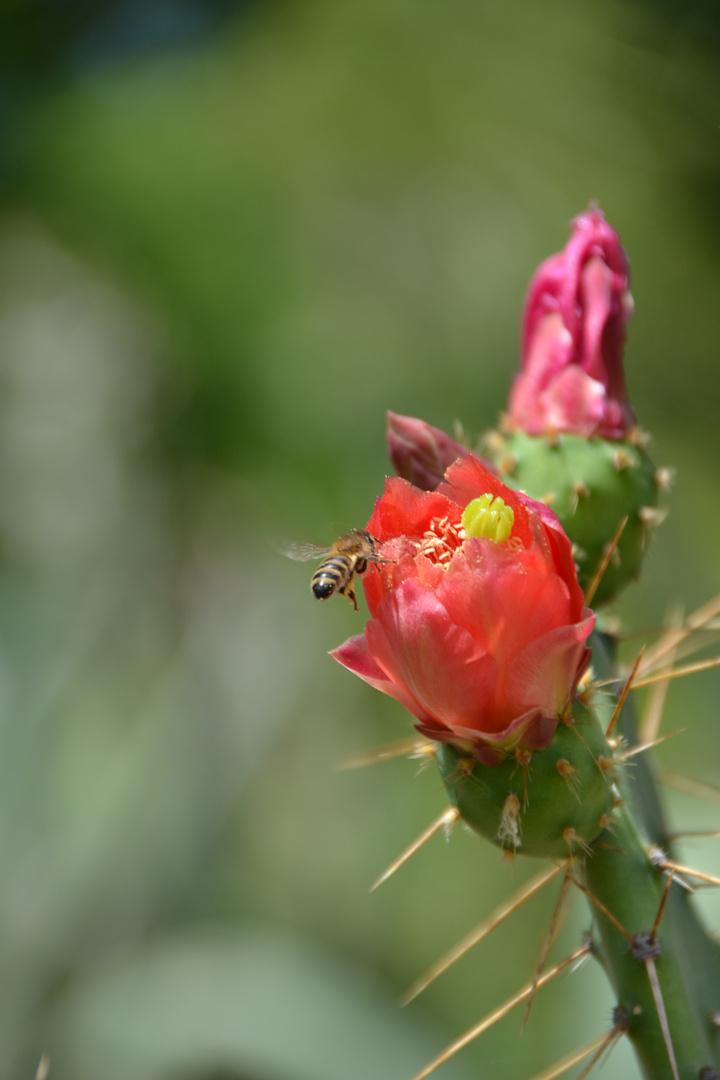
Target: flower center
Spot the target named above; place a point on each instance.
(488, 517)
(441, 541)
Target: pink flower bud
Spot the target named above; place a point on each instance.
(478, 625)
(573, 334)
(420, 452)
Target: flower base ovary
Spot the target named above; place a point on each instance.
(560, 797)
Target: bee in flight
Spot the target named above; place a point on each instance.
(348, 556)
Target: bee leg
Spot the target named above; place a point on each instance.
(350, 593)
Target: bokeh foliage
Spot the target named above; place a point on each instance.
(226, 248)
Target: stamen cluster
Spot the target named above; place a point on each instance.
(441, 541)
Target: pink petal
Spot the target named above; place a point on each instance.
(545, 672)
(504, 599)
(355, 655)
(439, 663)
(405, 510)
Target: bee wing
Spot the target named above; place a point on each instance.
(300, 552)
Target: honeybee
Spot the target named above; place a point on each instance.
(348, 556)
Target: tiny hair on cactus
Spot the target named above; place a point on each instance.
(412, 746)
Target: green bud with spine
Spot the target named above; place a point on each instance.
(552, 802)
(593, 485)
(570, 436)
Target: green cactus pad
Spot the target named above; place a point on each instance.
(591, 484)
(554, 805)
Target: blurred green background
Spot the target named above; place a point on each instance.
(231, 236)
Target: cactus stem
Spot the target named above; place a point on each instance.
(601, 907)
(446, 820)
(605, 562)
(549, 938)
(625, 691)
(596, 1047)
(691, 786)
(497, 1014)
(498, 916)
(662, 1014)
(410, 747)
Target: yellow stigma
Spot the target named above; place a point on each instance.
(489, 518)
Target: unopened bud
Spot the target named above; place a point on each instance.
(576, 311)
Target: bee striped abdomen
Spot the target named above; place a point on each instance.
(332, 576)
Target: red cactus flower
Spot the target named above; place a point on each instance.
(576, 311)
(420, 452)
(477, 620)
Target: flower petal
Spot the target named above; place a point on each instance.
(504, 599)
(545, 672)
(405, 510)
(355, 655)
(454, 680)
